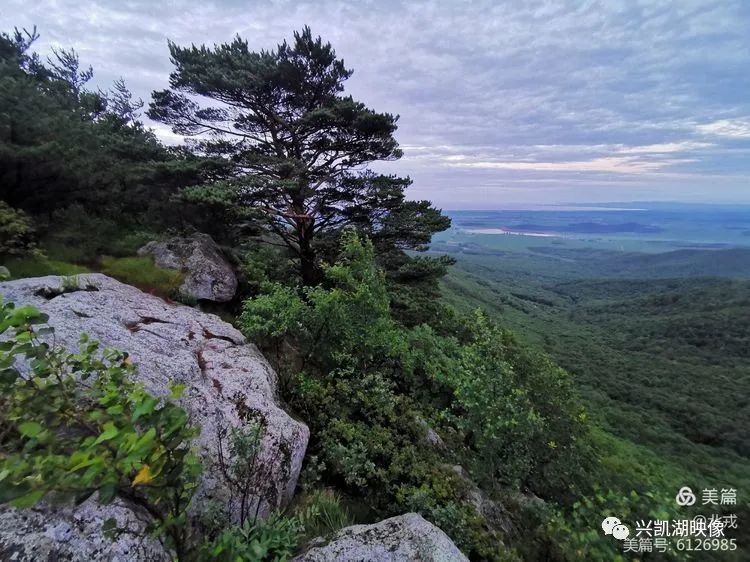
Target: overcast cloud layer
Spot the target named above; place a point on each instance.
(501, 103)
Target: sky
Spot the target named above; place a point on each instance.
(501, 104)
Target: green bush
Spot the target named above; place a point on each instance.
(64, 441)
(274, 539)
(519, 410)
(365, 384)
(17, 235)
(576, 533)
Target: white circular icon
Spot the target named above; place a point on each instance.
(620, 532)
(608, 524)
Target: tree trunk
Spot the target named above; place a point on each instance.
(305, 231)
(308, 267)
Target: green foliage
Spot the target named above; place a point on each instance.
(16, 232)
(272, 540)
(640, 351)
(274, 314)
(39, 266)
(244, 445)
(76, 424)
(518, 408)
(364, 382)
(63, 145)
(326, 515)
(261, 264)
(616, 338)
(295, 148)
(574, 534)
(142, 273)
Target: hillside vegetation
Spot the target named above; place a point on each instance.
(661, 363)
(555, 400)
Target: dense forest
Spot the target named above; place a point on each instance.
(641, 335)
(604, 402)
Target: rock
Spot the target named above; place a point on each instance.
(431, 436)
(64, 533)
(407, 537)
(4, 273)
(527, 500)
(494, 512)
(208, 275)
(227, 380)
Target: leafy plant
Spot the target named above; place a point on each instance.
(363, 382)
(272, 540)
(17, 235)
(518, 409)
(76, 424)
(242, 472)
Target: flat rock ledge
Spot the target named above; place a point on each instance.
(407, 537)
(228, 382)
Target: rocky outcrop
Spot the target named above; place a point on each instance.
(228, 382)
(407, 537)
(494, 512)
(208, 275)
(431, 437)
(64, 533)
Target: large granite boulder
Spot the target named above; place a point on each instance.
(208, 275)
(404, 538)
(228, 382)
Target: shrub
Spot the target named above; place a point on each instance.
(17, 236)
(518, 409)
(363, 382)
(274, 539)
(76, 424)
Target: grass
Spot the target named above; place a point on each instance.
(138, 271)
(328, 513)
(39, 267)
(142, 273)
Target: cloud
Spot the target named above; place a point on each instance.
(666, 147)
(732, 128)
(618, 165)
(488, 92)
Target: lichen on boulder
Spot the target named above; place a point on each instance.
(398, 539)
(228, 383)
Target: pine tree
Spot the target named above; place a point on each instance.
(296, 146)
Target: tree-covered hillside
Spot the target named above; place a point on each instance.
(662, 364)
(513, 403)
